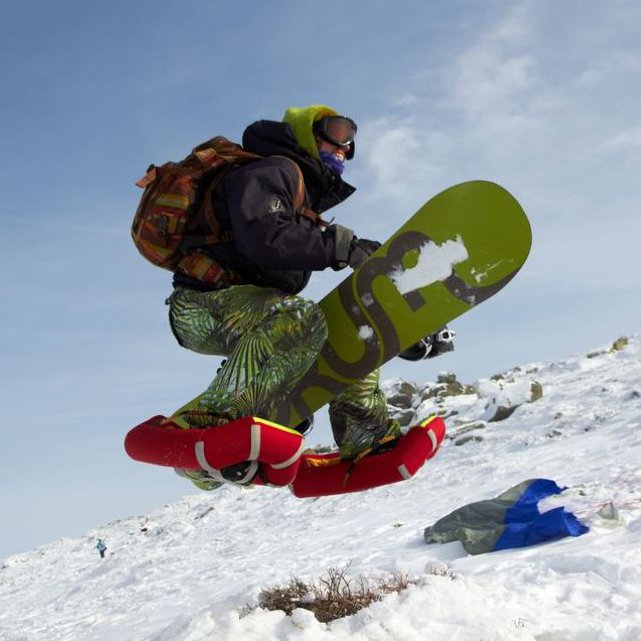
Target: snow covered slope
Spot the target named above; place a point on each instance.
(186, 571)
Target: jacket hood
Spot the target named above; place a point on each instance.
(302, 119)
(271, 138)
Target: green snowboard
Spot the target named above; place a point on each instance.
(459, 249)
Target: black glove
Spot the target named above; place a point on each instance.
(431, 346)
(350, 250)
(360, 250)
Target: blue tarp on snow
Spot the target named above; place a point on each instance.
(511, 520)
(525, 525)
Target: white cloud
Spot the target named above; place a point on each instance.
(611, 65)
(397, 156)
(494, 74)
(628, 140)
(549, 122)
(487, 79)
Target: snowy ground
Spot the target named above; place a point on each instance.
(186, 571)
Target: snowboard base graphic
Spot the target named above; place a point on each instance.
(459, 249)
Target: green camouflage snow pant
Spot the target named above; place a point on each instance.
(270, 340)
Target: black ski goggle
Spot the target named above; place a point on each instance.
(337, 130)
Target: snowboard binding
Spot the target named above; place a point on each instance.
(431, 346)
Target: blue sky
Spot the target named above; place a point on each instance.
(540, 96)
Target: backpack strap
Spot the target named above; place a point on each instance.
(207, 218)
(212, 152)
(299, 198)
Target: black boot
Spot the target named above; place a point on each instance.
(306, 425)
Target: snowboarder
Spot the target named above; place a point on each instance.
(101, 547)
(253, 315)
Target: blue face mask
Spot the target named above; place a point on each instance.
(334, 164)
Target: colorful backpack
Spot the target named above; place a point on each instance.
(175, 215)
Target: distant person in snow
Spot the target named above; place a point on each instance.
(101, 547)
(252, 314)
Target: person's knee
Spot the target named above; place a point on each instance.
(305, 319)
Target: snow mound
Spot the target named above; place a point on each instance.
(188, 571)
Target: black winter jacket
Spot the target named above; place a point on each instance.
(273, 246)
